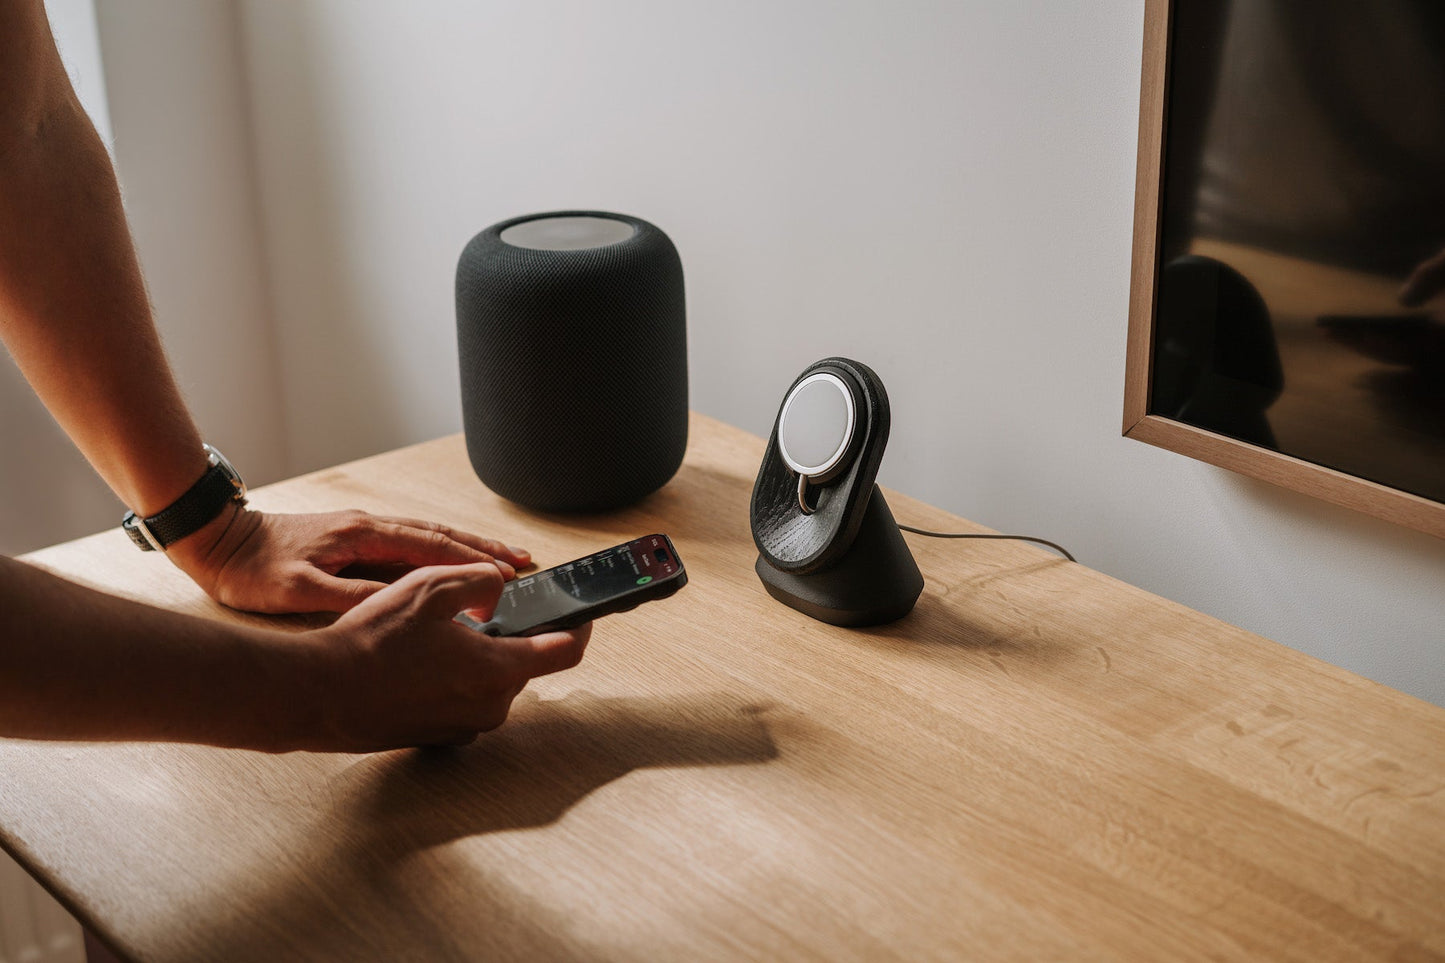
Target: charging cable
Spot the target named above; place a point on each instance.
(1021, 538)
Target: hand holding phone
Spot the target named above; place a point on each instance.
(613, 580)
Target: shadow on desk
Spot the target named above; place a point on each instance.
(949, 615)
(364, 854)
(542, 762)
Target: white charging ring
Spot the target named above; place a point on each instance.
(815, 429)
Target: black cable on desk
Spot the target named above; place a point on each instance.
(1021, 538)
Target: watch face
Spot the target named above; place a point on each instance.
(215, 457)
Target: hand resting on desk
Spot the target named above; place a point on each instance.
(275, 563)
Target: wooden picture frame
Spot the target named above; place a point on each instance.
(1372, 498)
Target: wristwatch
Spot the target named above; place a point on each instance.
(202, 502)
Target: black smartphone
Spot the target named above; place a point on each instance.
(613, 580)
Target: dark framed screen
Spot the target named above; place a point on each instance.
(1299, 262)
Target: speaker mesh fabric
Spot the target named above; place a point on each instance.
(573, 367)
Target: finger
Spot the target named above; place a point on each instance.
(549, 652)
(441, 592)
(387, 541)
(1424, 282)
(508, 553)
(318, 591)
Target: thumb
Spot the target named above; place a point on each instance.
(441, 591)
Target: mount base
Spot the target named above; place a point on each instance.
(876, 580)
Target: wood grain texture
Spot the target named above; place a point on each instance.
(1337, 487)
(1038, 763)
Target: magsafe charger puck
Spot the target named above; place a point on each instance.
(816, 426)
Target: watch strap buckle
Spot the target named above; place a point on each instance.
(219, 485)
(140, 533)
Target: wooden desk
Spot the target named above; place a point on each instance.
(1040, 763)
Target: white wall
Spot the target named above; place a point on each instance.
(177, 94)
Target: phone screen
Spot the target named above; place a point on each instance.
(588, 584)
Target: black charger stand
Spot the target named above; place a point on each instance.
(845, 561)
(876, 580)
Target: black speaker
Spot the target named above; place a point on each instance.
(572, 339)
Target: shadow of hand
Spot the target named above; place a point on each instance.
(548, 756)
(340, 880)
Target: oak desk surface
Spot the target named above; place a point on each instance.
(1039, 763)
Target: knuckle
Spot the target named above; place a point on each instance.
(294, 581)
(433, 578)
(437, 541)
(427, 584)
(356, 522)
(487, 577)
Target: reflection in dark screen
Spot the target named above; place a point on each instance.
(1304, 186)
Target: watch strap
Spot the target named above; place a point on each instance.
(201, 503)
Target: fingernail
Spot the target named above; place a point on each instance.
(519, 552)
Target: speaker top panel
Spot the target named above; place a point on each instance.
(574, 232)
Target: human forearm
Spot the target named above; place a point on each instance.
(75, 316)
(78, 664)
(73, 307)
(394, 671)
